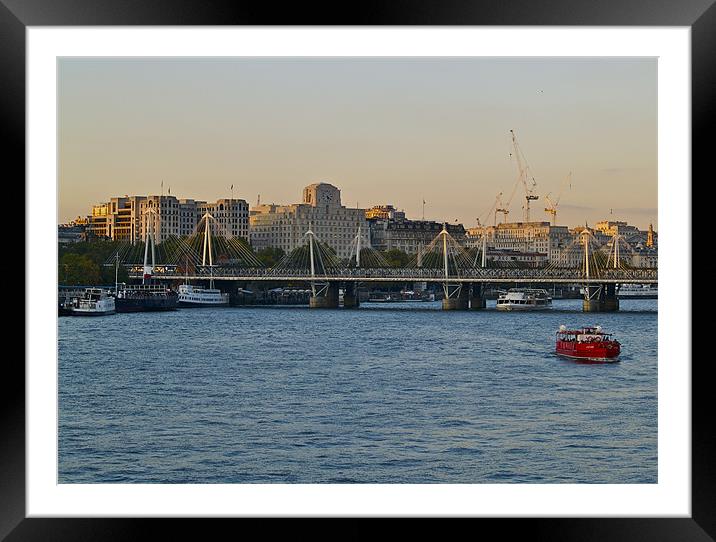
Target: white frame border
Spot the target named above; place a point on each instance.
(671, 496)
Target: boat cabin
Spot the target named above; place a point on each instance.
(584, 335)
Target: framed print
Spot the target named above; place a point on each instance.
(298, 312)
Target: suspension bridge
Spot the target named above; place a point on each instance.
(211, 255)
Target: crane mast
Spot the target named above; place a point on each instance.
(497, 207)
(523, 173)
(552, 208)
(501, 208)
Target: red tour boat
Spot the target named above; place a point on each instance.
(588, 343)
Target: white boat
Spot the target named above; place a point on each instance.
(637, 291)
(195, 296)
(524, 299)
(94, 302)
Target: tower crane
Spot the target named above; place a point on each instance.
(496, 208)
(501, 208)
(505, 208)
(524, 173)
(552, 208)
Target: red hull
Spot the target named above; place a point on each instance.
(604, 350)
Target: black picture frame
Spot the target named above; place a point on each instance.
(16, 15)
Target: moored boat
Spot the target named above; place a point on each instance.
(588, 344)
(524, 299)
(94, 302)
(145, 298)
(637, 291)
(194, 296)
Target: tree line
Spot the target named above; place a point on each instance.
(88, 262)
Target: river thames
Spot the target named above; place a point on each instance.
(387, 393)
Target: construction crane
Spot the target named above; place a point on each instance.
(496, 208)
(552, 208)
(501, 208)
(524, 168)
(505, 208)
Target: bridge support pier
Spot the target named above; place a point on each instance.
(477, 299)
(326, 297)
(460, 299)
(350, 296)
(600, 298)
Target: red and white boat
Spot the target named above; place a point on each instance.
(588, 344)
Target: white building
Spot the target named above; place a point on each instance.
(516, 257)
(528, 237)
(231, 215)
(284, 226)
(409, 236)
(610, 228)
(128, 218)
(645, 257)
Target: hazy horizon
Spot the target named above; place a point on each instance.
(384, 130)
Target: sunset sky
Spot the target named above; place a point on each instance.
(384, 130)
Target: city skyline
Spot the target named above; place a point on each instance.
(385, 131)
(184, 197)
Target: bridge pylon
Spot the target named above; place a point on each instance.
(324, 296)
(457, 297)
(457, 294)
(324, 293)
(350, 296)
(600, 298)
(350, 291)
(477, 297)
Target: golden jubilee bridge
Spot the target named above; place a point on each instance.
(463, 272)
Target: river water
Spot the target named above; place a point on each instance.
(388, 393)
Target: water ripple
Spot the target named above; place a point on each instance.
(383, 394)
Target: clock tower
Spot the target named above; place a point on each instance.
(321, 194)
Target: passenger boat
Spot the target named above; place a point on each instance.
(94, 302)
(64, 308)
(145, 297)
(524, 299)
(637, 291)
(587, 343)
(194, 296)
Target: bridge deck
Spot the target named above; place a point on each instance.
(621, 276)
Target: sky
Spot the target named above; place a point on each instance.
(384, 130)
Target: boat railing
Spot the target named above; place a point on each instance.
(147, 287)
